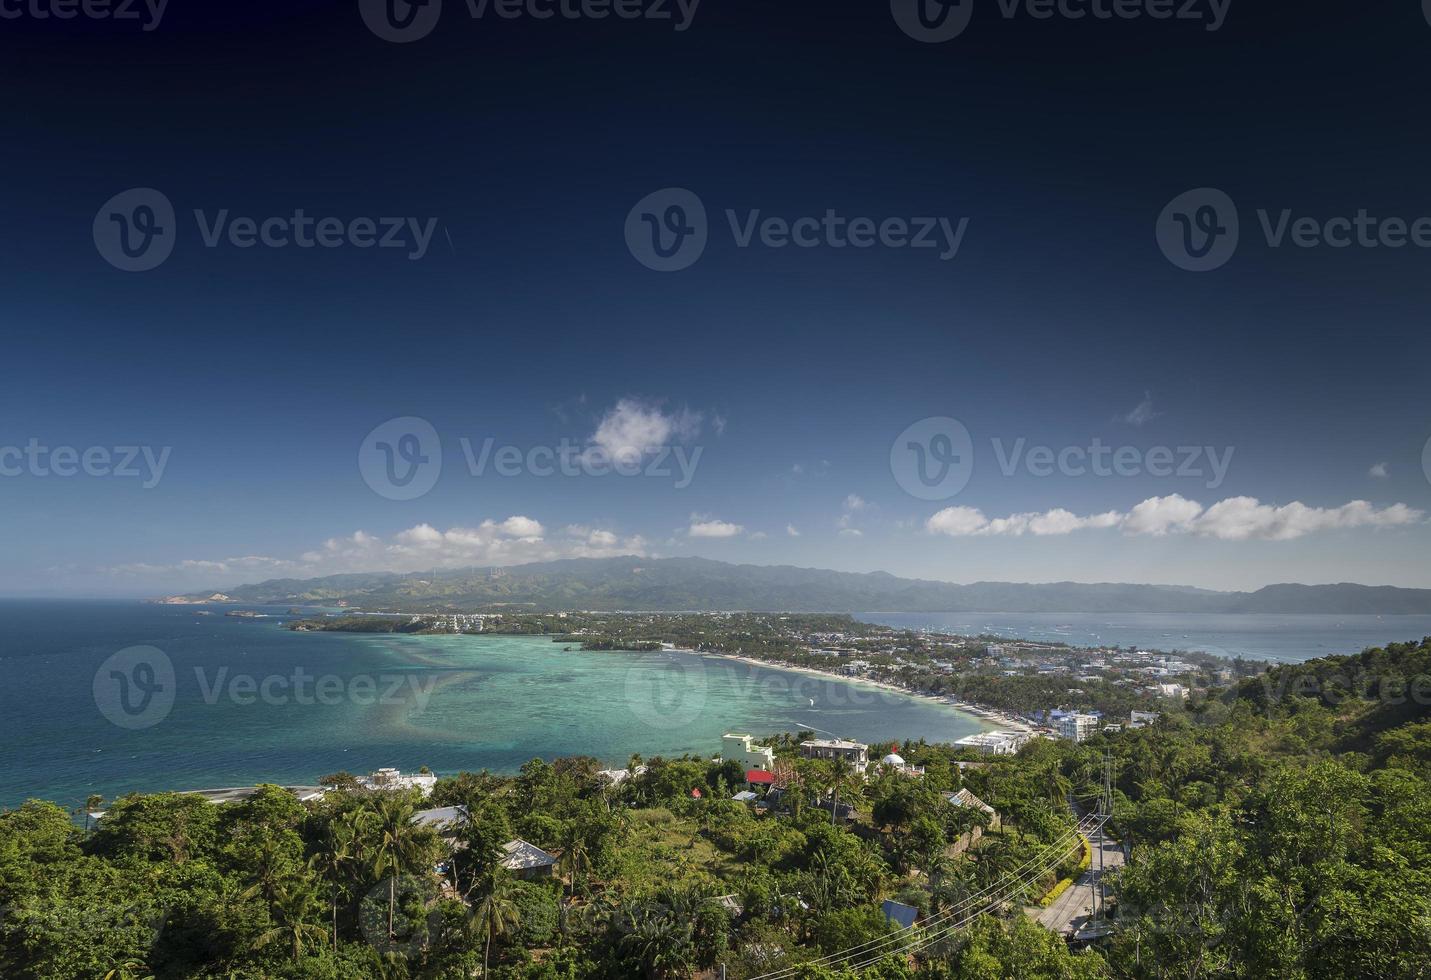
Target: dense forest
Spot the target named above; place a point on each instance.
(1280, 828)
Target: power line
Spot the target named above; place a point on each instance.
(1040, 864)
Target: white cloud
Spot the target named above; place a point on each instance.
(515, 540)
(1379, 471)
(1141, 413)
(957, 521)
(792, 531)
(1239, 518)
(709, 528)
(969, 521)
(1162, 515)
(852, 505)
(1233, 519)
(851, 532)
(635, 427)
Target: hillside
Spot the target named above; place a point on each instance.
(698, 584)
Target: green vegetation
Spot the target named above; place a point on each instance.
(1280, 828)
(702, 584)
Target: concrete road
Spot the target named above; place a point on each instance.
(1071, 911)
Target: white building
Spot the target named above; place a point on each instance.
(1142, 719)
(1172, 691)
(1077, 726)
(995, 743)
(740, 748)
(394, 779)
(855, 753)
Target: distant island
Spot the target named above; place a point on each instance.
(703, 585)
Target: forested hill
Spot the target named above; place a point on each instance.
(697, 584)
(1372, 695)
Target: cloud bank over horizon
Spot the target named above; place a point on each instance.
(1233, 519)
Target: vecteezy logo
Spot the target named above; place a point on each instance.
(933, 459)
(400, 21)
(135, 230)
(401, 459)
(666, 230)
(134, 688)
(669, 695)
(1426, 450)
(1198, 230)
(932, 21)
(1426, 9)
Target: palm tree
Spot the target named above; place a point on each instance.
(1057, 785)
(397, 845)
(292, 903)
(574, 855)
(661, 943)
(495, 915)
(268, 871)
(332, 860)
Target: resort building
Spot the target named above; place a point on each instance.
(855, 753)
(394, 779)
(995, 743)
(447, 821)
(964, 798)
(1077, 726)
(895, 763)
(1142, 719)
(741, 748)
(526, 861)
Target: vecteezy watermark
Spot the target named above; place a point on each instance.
(146, 13)
(401, 459)
(1207, 463)
(569, 458)
(1353, 684)
(1199, 230)
(409, 934)
(137, 230)
(123, 462)
(667, 230)
(1426, 449)
(404, 21)
(134, 688)
(302, 688)
(936, 21)
(672, 692)
(933, 459)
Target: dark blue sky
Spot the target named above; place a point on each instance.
(793, 370)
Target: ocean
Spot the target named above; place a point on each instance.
(1255, 636)
(116, 697)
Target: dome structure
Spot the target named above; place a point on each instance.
(893, 759)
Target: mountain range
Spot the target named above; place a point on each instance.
(699, 584)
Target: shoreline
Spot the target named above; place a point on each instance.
(989, 719)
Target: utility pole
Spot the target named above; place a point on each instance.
(1105, 812)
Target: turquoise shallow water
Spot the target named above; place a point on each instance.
(251, 701)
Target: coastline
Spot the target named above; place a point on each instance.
(989, 719)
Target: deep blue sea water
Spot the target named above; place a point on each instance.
(1282, 638)
(82, 717)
